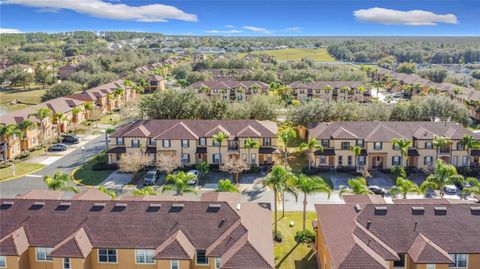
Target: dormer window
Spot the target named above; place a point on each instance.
(202, 141)
(185, 143)
(267, 142)
(119, 140)
(377, 145)
(42, 254)
(202, 259)
(166, 143)
(428, 145)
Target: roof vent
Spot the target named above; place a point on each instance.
(177, 207)
(475, 210)
(358, 208)
(238, 206)
(381, 210)
(369, 224)
(37, 205)
(222, 222)
(418, 210)
(440, 210)
(213, 208)
(63, 206)
(153, 207)
(119, 207)
(97, 207)
(6, 205)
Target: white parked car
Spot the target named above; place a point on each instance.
(450, 189)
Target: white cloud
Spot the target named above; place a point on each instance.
(258, 30)
(229, 26)
(108, 10)
(9, 31)
(293, 29)
(412, 17)
(232, 31)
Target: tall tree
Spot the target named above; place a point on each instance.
(309, 147)
(310, 185)
(286, 135)
(250, 144)
(469, 143)
(43, 114)
(444, 174)
(275, 181)
(357, 151)
(440, 142)
(225, 185)
(356, 186)
(402, 145)
(60, 182)
(179, 183)
(9, 132)
(219, 138)
(404, 186)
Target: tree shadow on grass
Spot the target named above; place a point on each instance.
(309, 261)
(286, 255)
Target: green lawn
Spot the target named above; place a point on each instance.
(21, 168)
(26, 96)
(289, 254)
(297, 54)
(86, 176)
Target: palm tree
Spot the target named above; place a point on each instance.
(394, 84)
(357, 151)
(219, 138)
(149, 190)
(58, 118)
(42, 114)
(60, 182)
(357, 186)
(203, 167)
(179, 182)
(275, 181)
(468, 142)
(377, 85)
(310, 185)
(439, 142)
(225, 185)
(443, 175)
(403, 145)
(88, 107)
(206, 90)
(24, 126)
(456, 91)
(309, 147)
(286, 135)
(404, 186)
(284, 92)
(75, 112)
(250, 144)
(9, 132)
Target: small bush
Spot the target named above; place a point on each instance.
(104, 166)
(306, 236)
(278, 237)
(5, 165)
(24, 154)
(254, 169)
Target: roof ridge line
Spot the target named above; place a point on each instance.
(378, 240)
(372, 253)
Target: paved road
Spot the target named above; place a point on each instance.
(67, 163)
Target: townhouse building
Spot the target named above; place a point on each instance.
(232, 90)
(410, 235)
(378, 151)
(331, 91)
(192, 141)
(156, 83)
(226, 73)
(134, 233)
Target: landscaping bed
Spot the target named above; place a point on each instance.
(90, 175)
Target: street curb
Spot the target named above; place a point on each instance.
(72, 174)
(15, 177)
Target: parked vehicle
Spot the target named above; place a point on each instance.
(58, 147)
(377, 190)
(151, 177)
(70, 138)
(195, 180)
(450, 189)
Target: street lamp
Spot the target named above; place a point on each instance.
(83, 155)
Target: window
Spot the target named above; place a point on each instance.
(166, 143)
(340, 160)
(460, 260)
(107, 255)
(361, 160)
(216, 158)
(317, 91)
(349, 159)
(118, 156)
(201, 258)
(218, 261)
(455, 160)
(377, 145)
(66, 263)
(428, 160)
(42, 254)
(323, 159)
(302, 91)
(152, 141)
(360, 143)
(396, 160)
(244, 157)
(267, 142)
(428, 145)
(175, 264)
(135, 143)
(119, 140)
(215, 143)
(253, 158)
(460, 146)
(345, 145)
(3, 262)
(185, 143)
(465, 160)
(430, 266)
(325, 143)
(400, 263)
(144, 256)
(185, 158)
(202, 141)
(396, 147)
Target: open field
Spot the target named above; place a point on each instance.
(289, 254)
(320, 54)
(25, 96)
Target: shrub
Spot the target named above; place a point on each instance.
(104, 166)
(24, 154)
(278, 237)
(306, 236)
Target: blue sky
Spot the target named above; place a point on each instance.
(247, 18)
